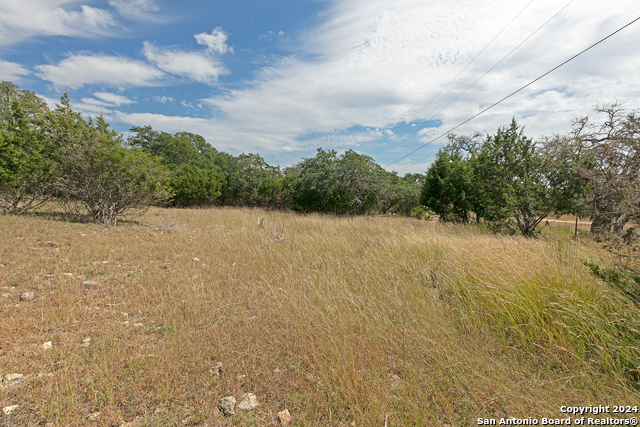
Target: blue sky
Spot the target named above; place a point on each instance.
(283, 77)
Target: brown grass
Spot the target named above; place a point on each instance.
(339, 320)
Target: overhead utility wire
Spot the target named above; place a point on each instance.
(482, 76)
(513, 93)
(461, 71)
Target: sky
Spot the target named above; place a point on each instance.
(284, 77)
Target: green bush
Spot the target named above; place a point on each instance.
(192, 186)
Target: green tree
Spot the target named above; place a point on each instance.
(26, 162)
(192, 186)
(33, 107)
(447, 186)
(97, 174)
(346, 184)
(511, 182)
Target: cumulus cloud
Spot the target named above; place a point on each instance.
(196, 66)
(135, 9)
(12, 71)
(78, 70)
(216, 42)
(21, 19)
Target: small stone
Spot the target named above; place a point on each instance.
(137, 325)
(196, 259)
(9, 409)
(227, 405)
(284, 417)
(86, 342)
(6, 295)
(217, 369)
(47, 345)
(94, 416)
(68, 274)
(89, 283)
(395, 379)
(13, 377)
(27, 296)
(248, 401)
(277, 371)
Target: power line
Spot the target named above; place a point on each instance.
(461, 71)
(482, 76)
(513, 93)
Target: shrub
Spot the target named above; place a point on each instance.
(192, 186)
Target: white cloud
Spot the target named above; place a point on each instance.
(272, 35)
(378, 63)
(78, 70)
(135, 9)
(196, 66)
(11, 71)
(216, 42)
(20, 19)
(113, 99)
(162, 99)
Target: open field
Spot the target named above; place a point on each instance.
(365, 321)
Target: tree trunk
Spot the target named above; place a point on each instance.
(601, 223)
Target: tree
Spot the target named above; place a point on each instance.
(33, 107)
(511, 182)
(447, 186)
(194, 186)
(97, 173)
(611, 153)
(346, 184)
(26, 162)
(245, 173)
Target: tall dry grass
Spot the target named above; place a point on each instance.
(338, 320)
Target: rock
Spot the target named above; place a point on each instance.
(49, 375)
(227, 405)
(27, 296)
(217, 369)
(89, 283)
(86, 342)
(47, 345)
(284, 417)
(395, 380)
(137, 325)
(9, 409)
(248, 401)
(94, 416)
(196, 259)
(13, 377)
(68, 274)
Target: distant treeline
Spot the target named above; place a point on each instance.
(505, 180)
